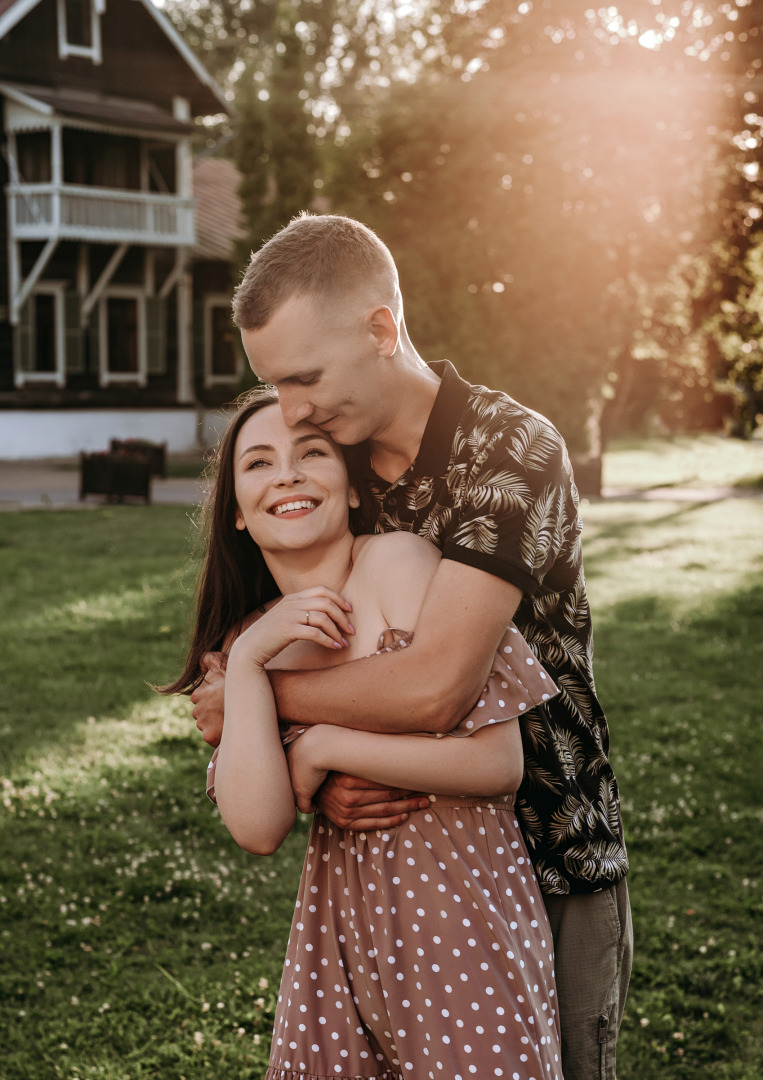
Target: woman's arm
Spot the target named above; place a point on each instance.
(252, 782)
(489, 762)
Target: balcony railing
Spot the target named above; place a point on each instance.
(42, 211)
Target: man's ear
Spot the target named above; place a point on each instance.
(240, 523)
(354, 499)
(381, 322)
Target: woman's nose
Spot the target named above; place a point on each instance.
(290, 473)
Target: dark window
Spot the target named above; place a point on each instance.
(101, 160)
(33, 153)
(122, 334)
(79, 23)
(44, 333)
(161, 169)
(223, 346)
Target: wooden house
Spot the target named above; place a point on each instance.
(113, 309)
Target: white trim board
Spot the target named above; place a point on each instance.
(48, 433)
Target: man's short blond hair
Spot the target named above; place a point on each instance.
(324, 255)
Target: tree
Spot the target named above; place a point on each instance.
(531, 207)
(563, 187)
(275, 153)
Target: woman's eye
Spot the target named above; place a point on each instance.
(315, 451)
(256, 463)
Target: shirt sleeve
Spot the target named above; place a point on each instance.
(518, 513)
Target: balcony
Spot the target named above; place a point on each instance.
(101, 215)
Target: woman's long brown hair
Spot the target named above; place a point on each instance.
(234, 579)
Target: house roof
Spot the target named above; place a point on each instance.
(94, 107)
(219, 221)
(13, 11)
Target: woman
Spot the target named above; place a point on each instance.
(422, 951)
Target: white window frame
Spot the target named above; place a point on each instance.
(66, 48)
(215, 300)
(55, 289)
(109, 378)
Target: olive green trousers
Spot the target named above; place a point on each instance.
(593, 945)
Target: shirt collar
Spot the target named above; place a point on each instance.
(437, 440)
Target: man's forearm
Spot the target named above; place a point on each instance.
(399, 692)
(430, 685)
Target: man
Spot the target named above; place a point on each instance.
(488, 482)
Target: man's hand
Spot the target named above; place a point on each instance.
(362, 806)
(209, 698)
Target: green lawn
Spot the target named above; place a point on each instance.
(140, 942)
(684, 461)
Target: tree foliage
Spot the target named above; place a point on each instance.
(571, 193)
(545, 202)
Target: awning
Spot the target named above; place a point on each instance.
(87, 108)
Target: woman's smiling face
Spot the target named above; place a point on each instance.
(292, 490)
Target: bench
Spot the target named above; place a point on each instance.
(116, 476)
(154, 454)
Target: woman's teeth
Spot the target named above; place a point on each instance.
(301, 504)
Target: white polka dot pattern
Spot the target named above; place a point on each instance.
(424, 952)
(419, 952)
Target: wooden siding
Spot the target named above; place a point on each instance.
(139, 61)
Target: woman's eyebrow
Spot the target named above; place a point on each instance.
(313, 435)
(260, 447)
(264, 447)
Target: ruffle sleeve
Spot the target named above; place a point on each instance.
(288, 733)
(211, 778)
(517, 681)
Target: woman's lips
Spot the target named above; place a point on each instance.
(290, 506)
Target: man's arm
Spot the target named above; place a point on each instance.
(429, 686)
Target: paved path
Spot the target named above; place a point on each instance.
(680, 494)
(39, 484)
(29, 484)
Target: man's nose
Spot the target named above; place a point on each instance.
(294, 410)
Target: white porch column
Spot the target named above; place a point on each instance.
(181, 110)
(57, 173)
(185, 387)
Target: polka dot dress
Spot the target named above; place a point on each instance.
(424, 952)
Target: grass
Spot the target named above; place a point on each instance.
(677, 593)
(684, 461)
(139, 942)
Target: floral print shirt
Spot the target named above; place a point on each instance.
(492, 488)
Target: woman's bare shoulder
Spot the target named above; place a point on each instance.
(391, 547)
(396, 569)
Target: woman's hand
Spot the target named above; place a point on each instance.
(317, 614)
(307, 774)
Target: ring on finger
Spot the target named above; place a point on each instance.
(307, 618)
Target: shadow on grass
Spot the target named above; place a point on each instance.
(94, 609)
(615, 536)
(142, 943)
(683, 700)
